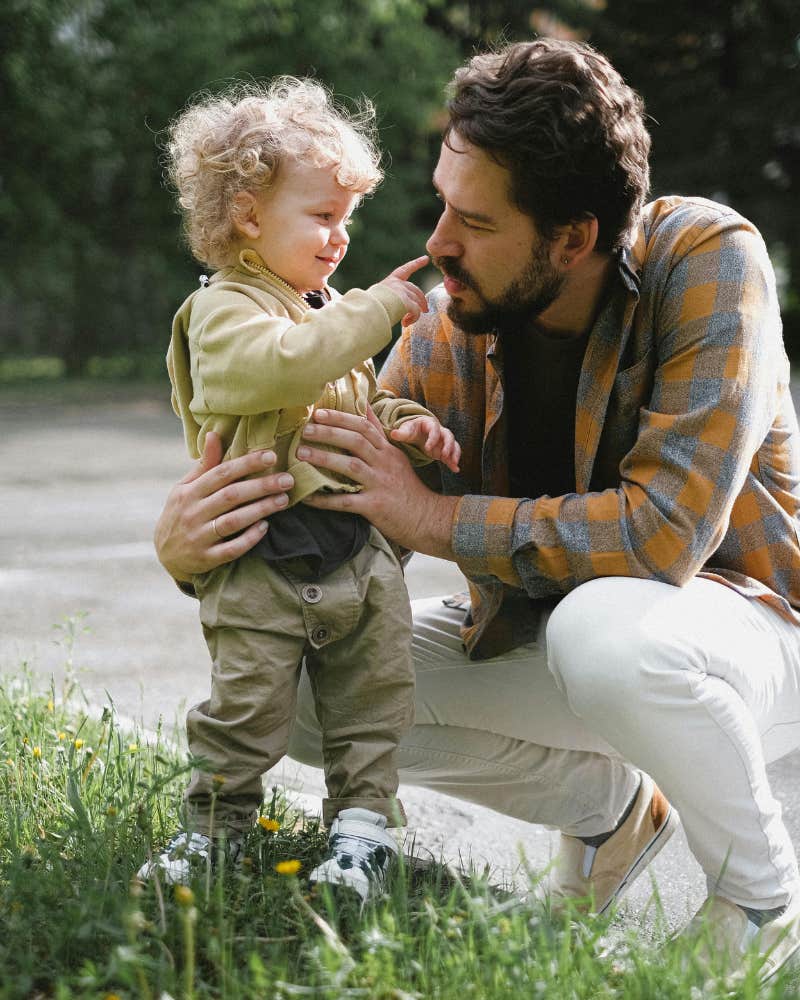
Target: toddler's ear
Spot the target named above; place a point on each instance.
(245, 216)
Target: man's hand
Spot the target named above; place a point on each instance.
(214, 514)
(429, 436)
(392, 497)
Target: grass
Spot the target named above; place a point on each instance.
(83, 803)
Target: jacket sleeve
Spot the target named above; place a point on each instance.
(249, 361)
(718, 355)
(392, 412)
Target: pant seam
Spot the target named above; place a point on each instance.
(694, 680)
(428, 753)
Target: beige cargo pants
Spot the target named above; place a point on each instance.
(353, 629)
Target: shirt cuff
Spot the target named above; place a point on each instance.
(482, 538)
(395, 307)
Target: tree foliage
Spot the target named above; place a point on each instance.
(92, 258)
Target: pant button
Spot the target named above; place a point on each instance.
(320, 633)
(311, 593)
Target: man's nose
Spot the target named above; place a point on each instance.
(442, 241)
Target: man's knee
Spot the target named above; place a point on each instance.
(596, 649)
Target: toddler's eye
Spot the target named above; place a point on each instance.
(325, 216)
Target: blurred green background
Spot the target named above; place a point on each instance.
(93, 265)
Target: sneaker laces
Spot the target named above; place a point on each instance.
(188, 844)
(198, 846)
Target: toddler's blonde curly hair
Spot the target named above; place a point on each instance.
(237, 141)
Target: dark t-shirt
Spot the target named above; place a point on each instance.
(541, 376)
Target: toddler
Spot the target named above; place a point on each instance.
(268, 178)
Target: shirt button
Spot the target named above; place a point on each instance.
(312, 594)
(320, 634)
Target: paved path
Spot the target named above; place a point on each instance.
(81, 487)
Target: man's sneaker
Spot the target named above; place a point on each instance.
(185, 855)
(598, 876)
(727, 940)
(360, 852)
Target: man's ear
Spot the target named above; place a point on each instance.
(245, 215)
(575, 242)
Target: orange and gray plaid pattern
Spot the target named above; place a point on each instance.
(687, 449)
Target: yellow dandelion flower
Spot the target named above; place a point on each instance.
(78, 744)
(290, 867)
(61, 736)
(37, 752)
(218, 779)
(9, 761)
(25, 741)
(184, 895)
(270, 825)
(50, 706)
(111, 811)
(112, 996)
(133, 747)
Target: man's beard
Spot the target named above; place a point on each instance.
(521, 302)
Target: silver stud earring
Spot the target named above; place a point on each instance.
(565, 260)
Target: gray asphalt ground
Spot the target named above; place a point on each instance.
(82, 479)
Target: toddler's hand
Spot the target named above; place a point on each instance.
(436, 441)
(413, 297)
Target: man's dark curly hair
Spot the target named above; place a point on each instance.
(562, 120)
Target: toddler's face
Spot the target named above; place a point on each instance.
(303, 220)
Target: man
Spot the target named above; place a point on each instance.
(615, 375)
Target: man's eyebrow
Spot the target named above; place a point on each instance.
(465, 213)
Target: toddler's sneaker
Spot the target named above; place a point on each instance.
(185, 855)
(360, 853)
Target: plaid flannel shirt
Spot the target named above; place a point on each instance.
(687, 449)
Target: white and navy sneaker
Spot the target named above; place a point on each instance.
(360, 853)
(185, 855)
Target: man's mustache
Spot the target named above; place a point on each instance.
(450, 267)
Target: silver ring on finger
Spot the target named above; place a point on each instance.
(216, 529)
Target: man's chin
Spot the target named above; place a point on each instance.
(473, 321)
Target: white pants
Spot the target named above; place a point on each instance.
(698, 686)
